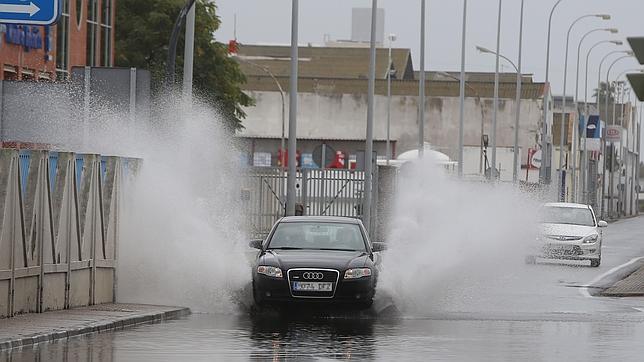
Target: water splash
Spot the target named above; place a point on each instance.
(451, 237)
(182, 238)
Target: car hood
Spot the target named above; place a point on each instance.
(567, 230)
(326, 259)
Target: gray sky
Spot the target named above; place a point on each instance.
(268, 21)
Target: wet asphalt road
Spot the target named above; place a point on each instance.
(535, 312)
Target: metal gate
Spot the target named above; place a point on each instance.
(328, 192)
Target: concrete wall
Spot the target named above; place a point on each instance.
(343, 116)
(58, 229)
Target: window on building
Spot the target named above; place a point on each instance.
(106, 34)
(92, 31)
(62, 42)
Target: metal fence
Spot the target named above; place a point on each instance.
(320, 192)
(59, 221)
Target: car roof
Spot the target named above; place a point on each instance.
(571, 205)
(335, 219)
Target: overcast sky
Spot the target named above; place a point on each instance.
(268, 21)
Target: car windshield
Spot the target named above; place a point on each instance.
(567, 215)
(317, 235)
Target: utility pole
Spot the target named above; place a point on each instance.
(493, 172)
(292, 115)
(421, 85)
(462, 94)
(368, 157)
(188, 55)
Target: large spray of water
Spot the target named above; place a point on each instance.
(182, 232)
(450, 238)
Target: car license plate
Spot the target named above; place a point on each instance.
(313, 286)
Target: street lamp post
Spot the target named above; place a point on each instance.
(368, 157)
(493, 173)
(581, 41)
(478, 96)
(610, 181)
(544, 127)
(462, 94)
(599, 78)
(517, 115)
(421, 85)
(292, 114)
(563, 111)
(586, 116)
(391, 38)
(585, 170)
(518, 96)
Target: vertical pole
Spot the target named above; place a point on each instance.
(2, 138)
(493, 172)
(461, 117)
(421, 85)
(603, 189)
(388, 151)
(545, 157)
(188, 54)
(86, 105)
(292, 117)
(369, 146)
(132, 110)
(516, 161)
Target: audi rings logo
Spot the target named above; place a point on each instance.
(313, 275)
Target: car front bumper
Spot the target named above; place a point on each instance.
(568, 251)
(270, 290)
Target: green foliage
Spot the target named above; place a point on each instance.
(143, 29)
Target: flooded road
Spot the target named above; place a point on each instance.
(218, 337)
(537, 312)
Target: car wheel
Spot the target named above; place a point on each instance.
(530, 259)
(594, 263)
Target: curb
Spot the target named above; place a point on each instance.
(94, 328)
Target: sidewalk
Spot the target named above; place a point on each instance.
(28, 329)
(631, 286)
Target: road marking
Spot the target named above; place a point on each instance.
(584, 290)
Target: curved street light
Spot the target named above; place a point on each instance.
(544, 129)
(586, 116)
(563, 106)
(610, 187)
(490, 51)
(599, 80)
(581, 41)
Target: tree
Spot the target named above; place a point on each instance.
(143, 29)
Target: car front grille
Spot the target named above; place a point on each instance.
(313, 275)
(563, 237)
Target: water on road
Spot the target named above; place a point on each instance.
(532, 312)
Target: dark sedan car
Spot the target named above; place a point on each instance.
(316, 259)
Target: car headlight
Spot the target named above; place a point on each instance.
(270, 271)
(357, 273)
(590, 239)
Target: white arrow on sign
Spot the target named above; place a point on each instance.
(30, 9)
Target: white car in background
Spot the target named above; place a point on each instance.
(569, 231)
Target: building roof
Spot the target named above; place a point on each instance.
(398, 87)
(324, 62)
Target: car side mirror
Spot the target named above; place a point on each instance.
(256, 244)
(378, 246)
(602, 224)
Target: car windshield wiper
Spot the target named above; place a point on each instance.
(284, 248)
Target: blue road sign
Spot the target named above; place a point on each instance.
(30, 12)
